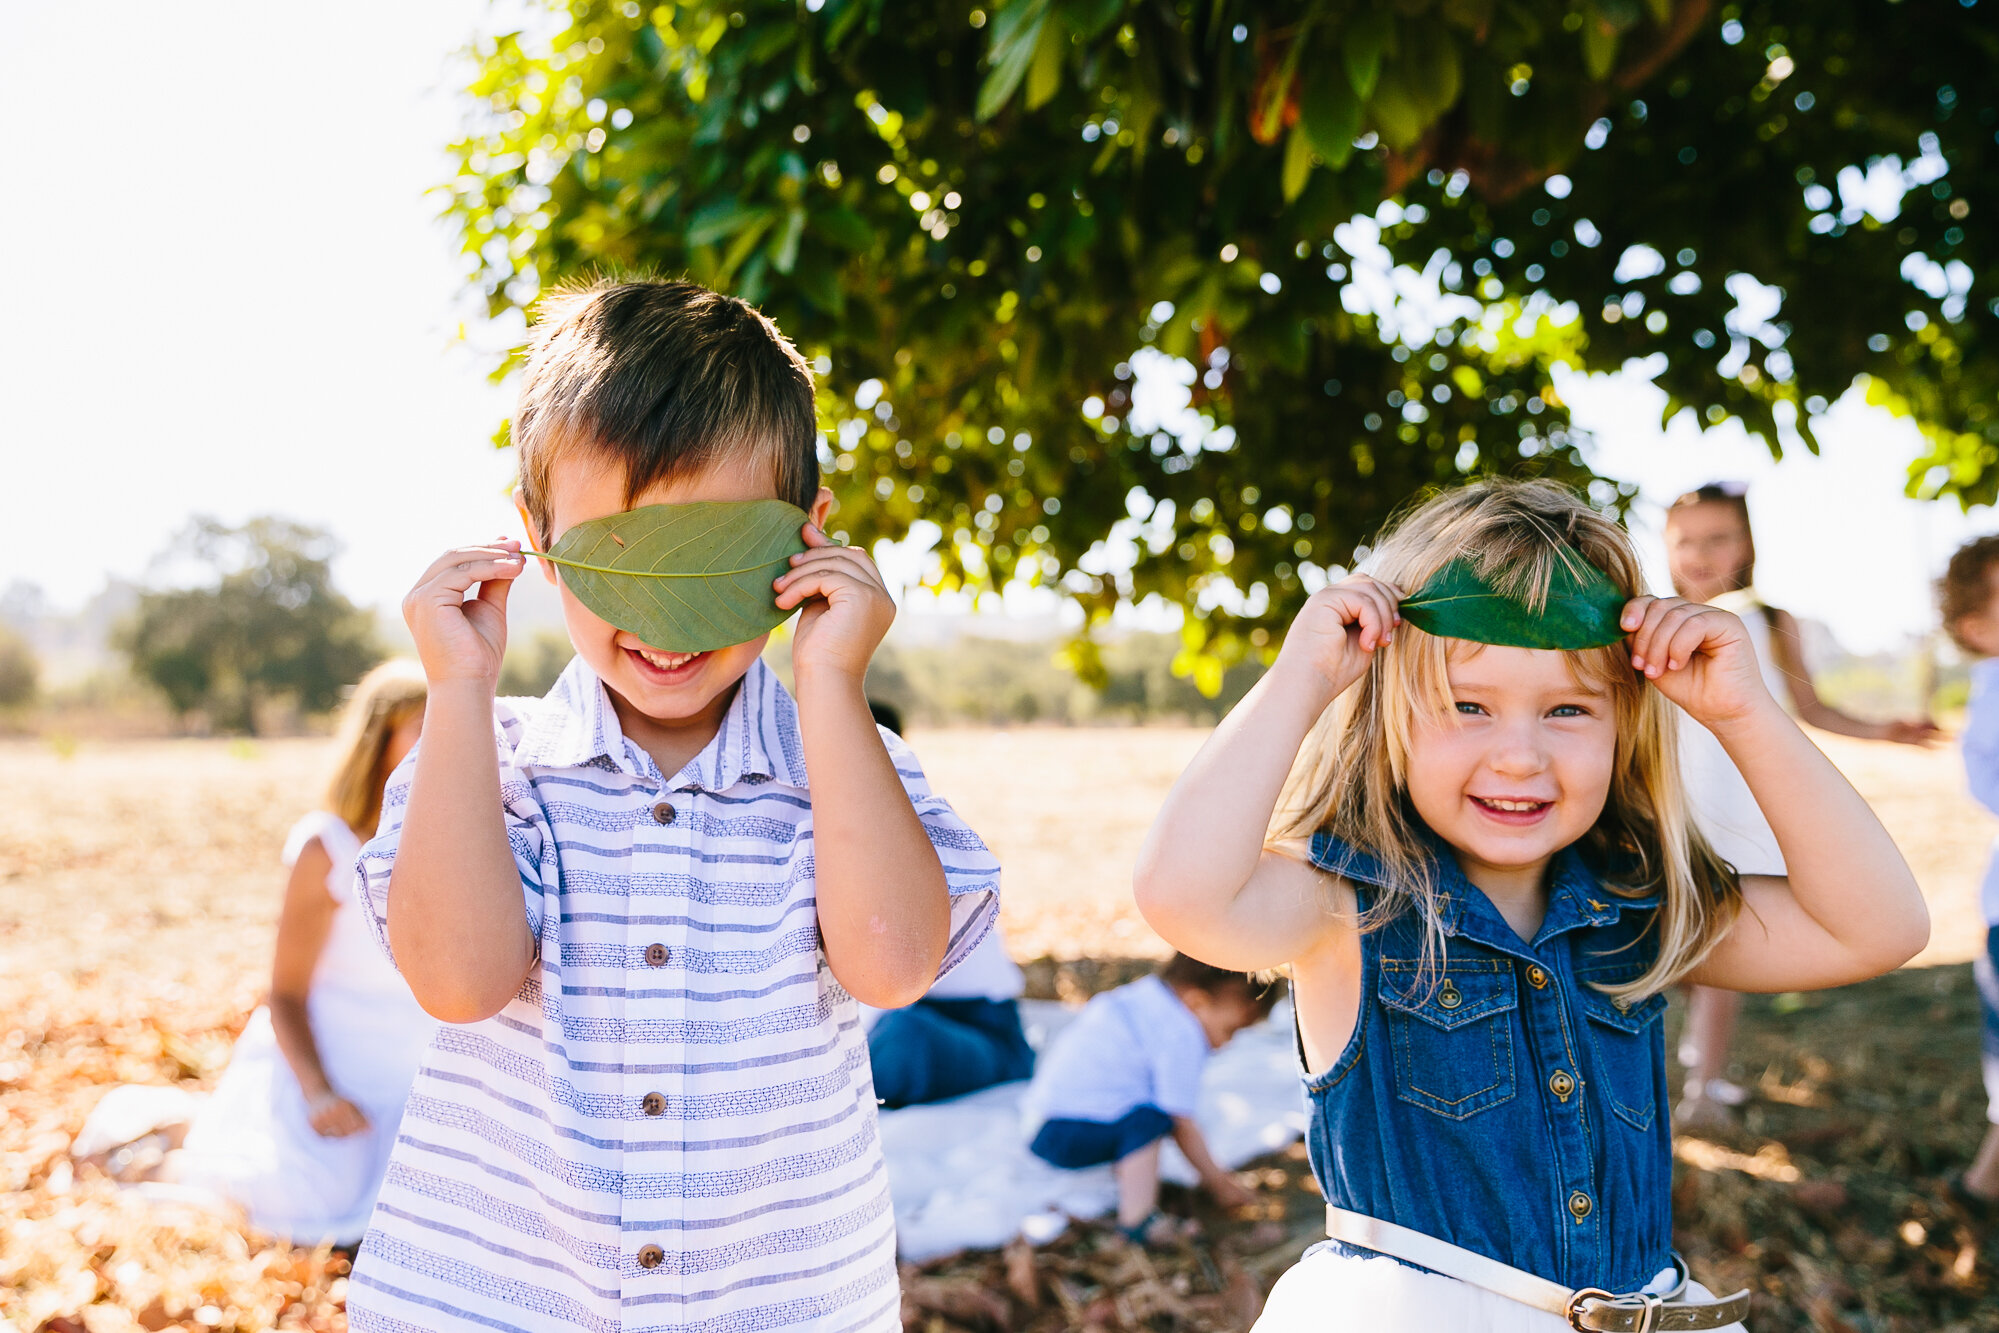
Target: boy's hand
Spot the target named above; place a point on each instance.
(456, 638)
(334, 1117)
(1336, 632)
(1231, 1193)
(1699, 656)
(847, 607)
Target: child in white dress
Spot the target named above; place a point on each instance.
(299, 1129)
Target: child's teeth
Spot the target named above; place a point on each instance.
(666, 661)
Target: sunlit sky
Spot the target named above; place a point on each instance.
(231, 297)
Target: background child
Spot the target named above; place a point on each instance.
(649, 901)
(1127, 1073)
(1970, 597)
(1711, 557)
(1483, 883)
(299, 1129)
(964, 1034)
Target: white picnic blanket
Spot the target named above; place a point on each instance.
(961, 1176)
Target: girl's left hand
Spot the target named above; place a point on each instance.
(1699, 656)
(847, 607)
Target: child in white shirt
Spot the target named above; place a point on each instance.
(1127, 1074)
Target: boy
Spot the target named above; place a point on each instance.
(1970, 614)
(1127, 1073)
(654, 1109)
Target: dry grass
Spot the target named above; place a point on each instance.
(138, 893)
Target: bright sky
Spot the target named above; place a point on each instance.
(232, 298)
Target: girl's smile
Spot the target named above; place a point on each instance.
(1517, 811)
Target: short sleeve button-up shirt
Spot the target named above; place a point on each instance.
(673, 1124)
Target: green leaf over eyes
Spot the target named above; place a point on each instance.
(1582, 610)
(685, 578)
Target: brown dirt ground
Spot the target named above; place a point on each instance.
(138, 893)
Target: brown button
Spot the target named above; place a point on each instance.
(1580, 1205)
(1561, 1084)
(662, 813)
(651, 1256)
(656, 955)
(1451, 997)
(653, 1104)
(1536, 977)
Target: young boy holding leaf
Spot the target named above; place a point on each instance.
(645, 927)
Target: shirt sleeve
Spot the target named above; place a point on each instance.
(1980, 742)
(526, 825)
(971, 873)
(1179, 1054)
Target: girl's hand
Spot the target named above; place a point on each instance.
(456, 638)
(847, 607)
(333, 1116)
(1699, 656)
(1336, 632)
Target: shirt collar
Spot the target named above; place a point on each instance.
(575, 726)
(1577, 896)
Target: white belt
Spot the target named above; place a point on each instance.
(1592, 1309)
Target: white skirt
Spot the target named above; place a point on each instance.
(1327, 1290)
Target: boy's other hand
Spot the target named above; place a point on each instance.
(847, 607)
(334, 1117)
(459, 638)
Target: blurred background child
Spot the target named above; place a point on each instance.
(965, 1034)
(1711, 557)
(299, 1129)
(1970, 613)
(1127, 1074)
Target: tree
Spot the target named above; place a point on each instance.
(979, 219)
(20, 673)
(254, 617)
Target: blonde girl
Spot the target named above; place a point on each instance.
(299, 1129)
(1485, 877)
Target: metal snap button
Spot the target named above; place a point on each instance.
(656, 955)
(651, 1256)
(653, 1104)
(1537, 977)
(1561, 1084)
(1450, 997)
(662, 813)
(1580, 1205)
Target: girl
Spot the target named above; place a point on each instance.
(299, 1129)
(1486, 880)
(1711, 557)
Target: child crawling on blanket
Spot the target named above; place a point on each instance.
(1127, 1073)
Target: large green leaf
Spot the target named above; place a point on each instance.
(684, 578)
(1582, 609)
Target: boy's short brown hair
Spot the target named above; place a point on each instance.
(665, 378)
(1966, 586)
(1183, 973)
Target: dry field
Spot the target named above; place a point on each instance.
(138, 892)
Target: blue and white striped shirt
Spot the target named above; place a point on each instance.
(672, 1126)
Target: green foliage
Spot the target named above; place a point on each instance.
(1581, 611)
(256, 619)
(987, 212)
(20, 672)
(531, 665)
(687, 578)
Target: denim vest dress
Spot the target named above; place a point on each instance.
(1500, 1102)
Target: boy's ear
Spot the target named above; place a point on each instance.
(527, 527)
(822, 508)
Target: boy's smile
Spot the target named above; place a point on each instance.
(669, 702)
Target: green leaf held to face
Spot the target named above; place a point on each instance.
(685, 578)
(1582, 611)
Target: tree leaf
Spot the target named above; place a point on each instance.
(1361, 51)
(1396, 114)
(1016, 35)
(1044, 74)
(1297, 162)
(684, 578)
(1582, 609)
(1599, 43)
(1330, 113)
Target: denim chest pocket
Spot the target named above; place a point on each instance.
(1629, 1044)
(1452, 1041)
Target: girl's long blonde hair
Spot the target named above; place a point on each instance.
(387, 697)
(1353, 777)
